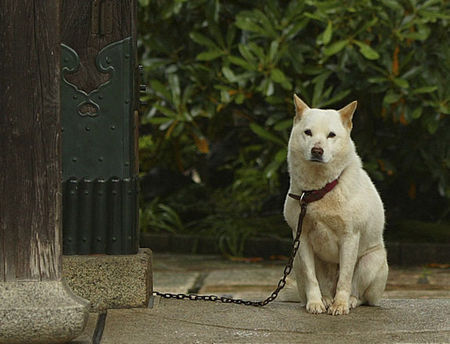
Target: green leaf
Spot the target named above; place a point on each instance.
(240, 98)
(444, 108)
(216, 33)
(417, 36)
(271, 169)
(267, 24)
(319, 82)
(246, 53)
(168, 112)
(335, 47)
(421, 33)
(391, 97)
(430, 3)
(278, 76)
(225, 96)
(213, 10)
(257, 50)
(273, 50)
(281, 155)
(377, 80)
(338, 97)
(367, 51)
(159, 87)
(425, 89)
(187, 93)
(241, 62)
(177, 130)
(266, 87)
(432, 15)
(412, 72)
(174, 84)
(393, 4)
(366, 26)
(165, 126)
(246, 23)
(159, 120)
(209, 55)
(228, 73)
(312, 16)
(417, 113)
(327, 34)
(401, 82)
(203, 40)
(292, 30)
(265, 134)
(283, 125)
(432, 123)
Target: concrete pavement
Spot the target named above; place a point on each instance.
(209, 274)
(173, 321)
(416, 308)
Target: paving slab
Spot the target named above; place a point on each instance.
(254, 280)
(418, 278)
(243, 277)
(174, 282)
(416, 294)
(194, 262)
(255, 283)
(175, 321)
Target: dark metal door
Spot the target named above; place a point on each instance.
(99, 127)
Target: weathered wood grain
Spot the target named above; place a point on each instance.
(82, 30)
(30, 192)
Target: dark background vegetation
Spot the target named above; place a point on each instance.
(222, 75)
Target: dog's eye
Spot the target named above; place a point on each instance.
(308, 132)
(331, 135)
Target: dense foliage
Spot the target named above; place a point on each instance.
(222, 75)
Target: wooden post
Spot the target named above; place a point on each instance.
(31, 289)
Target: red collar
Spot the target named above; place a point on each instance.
(314, 195)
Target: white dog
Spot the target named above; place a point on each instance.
(341, 262)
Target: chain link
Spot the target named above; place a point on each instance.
(273, 296)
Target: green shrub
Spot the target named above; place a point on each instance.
(230, 68)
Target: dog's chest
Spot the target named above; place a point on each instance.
(324, 240)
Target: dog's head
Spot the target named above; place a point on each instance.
(320, 136)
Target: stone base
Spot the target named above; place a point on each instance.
(40, 312)
(110, 281)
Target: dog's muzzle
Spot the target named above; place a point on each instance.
(317, 154)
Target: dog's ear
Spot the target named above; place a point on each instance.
(347, 114)
(300, 107)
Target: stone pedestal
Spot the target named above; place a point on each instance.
(111, 281)
(40, 312)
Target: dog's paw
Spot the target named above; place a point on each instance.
(315, 307)
(339, 308)
(327, 301)
(353, 302)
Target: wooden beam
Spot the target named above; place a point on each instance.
(30, 192)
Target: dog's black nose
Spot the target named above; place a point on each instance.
(316, 152)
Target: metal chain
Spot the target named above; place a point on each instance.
(273, 296)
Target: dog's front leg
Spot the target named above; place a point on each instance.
(314, 302)
(348, 252)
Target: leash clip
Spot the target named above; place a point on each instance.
(301, 201)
